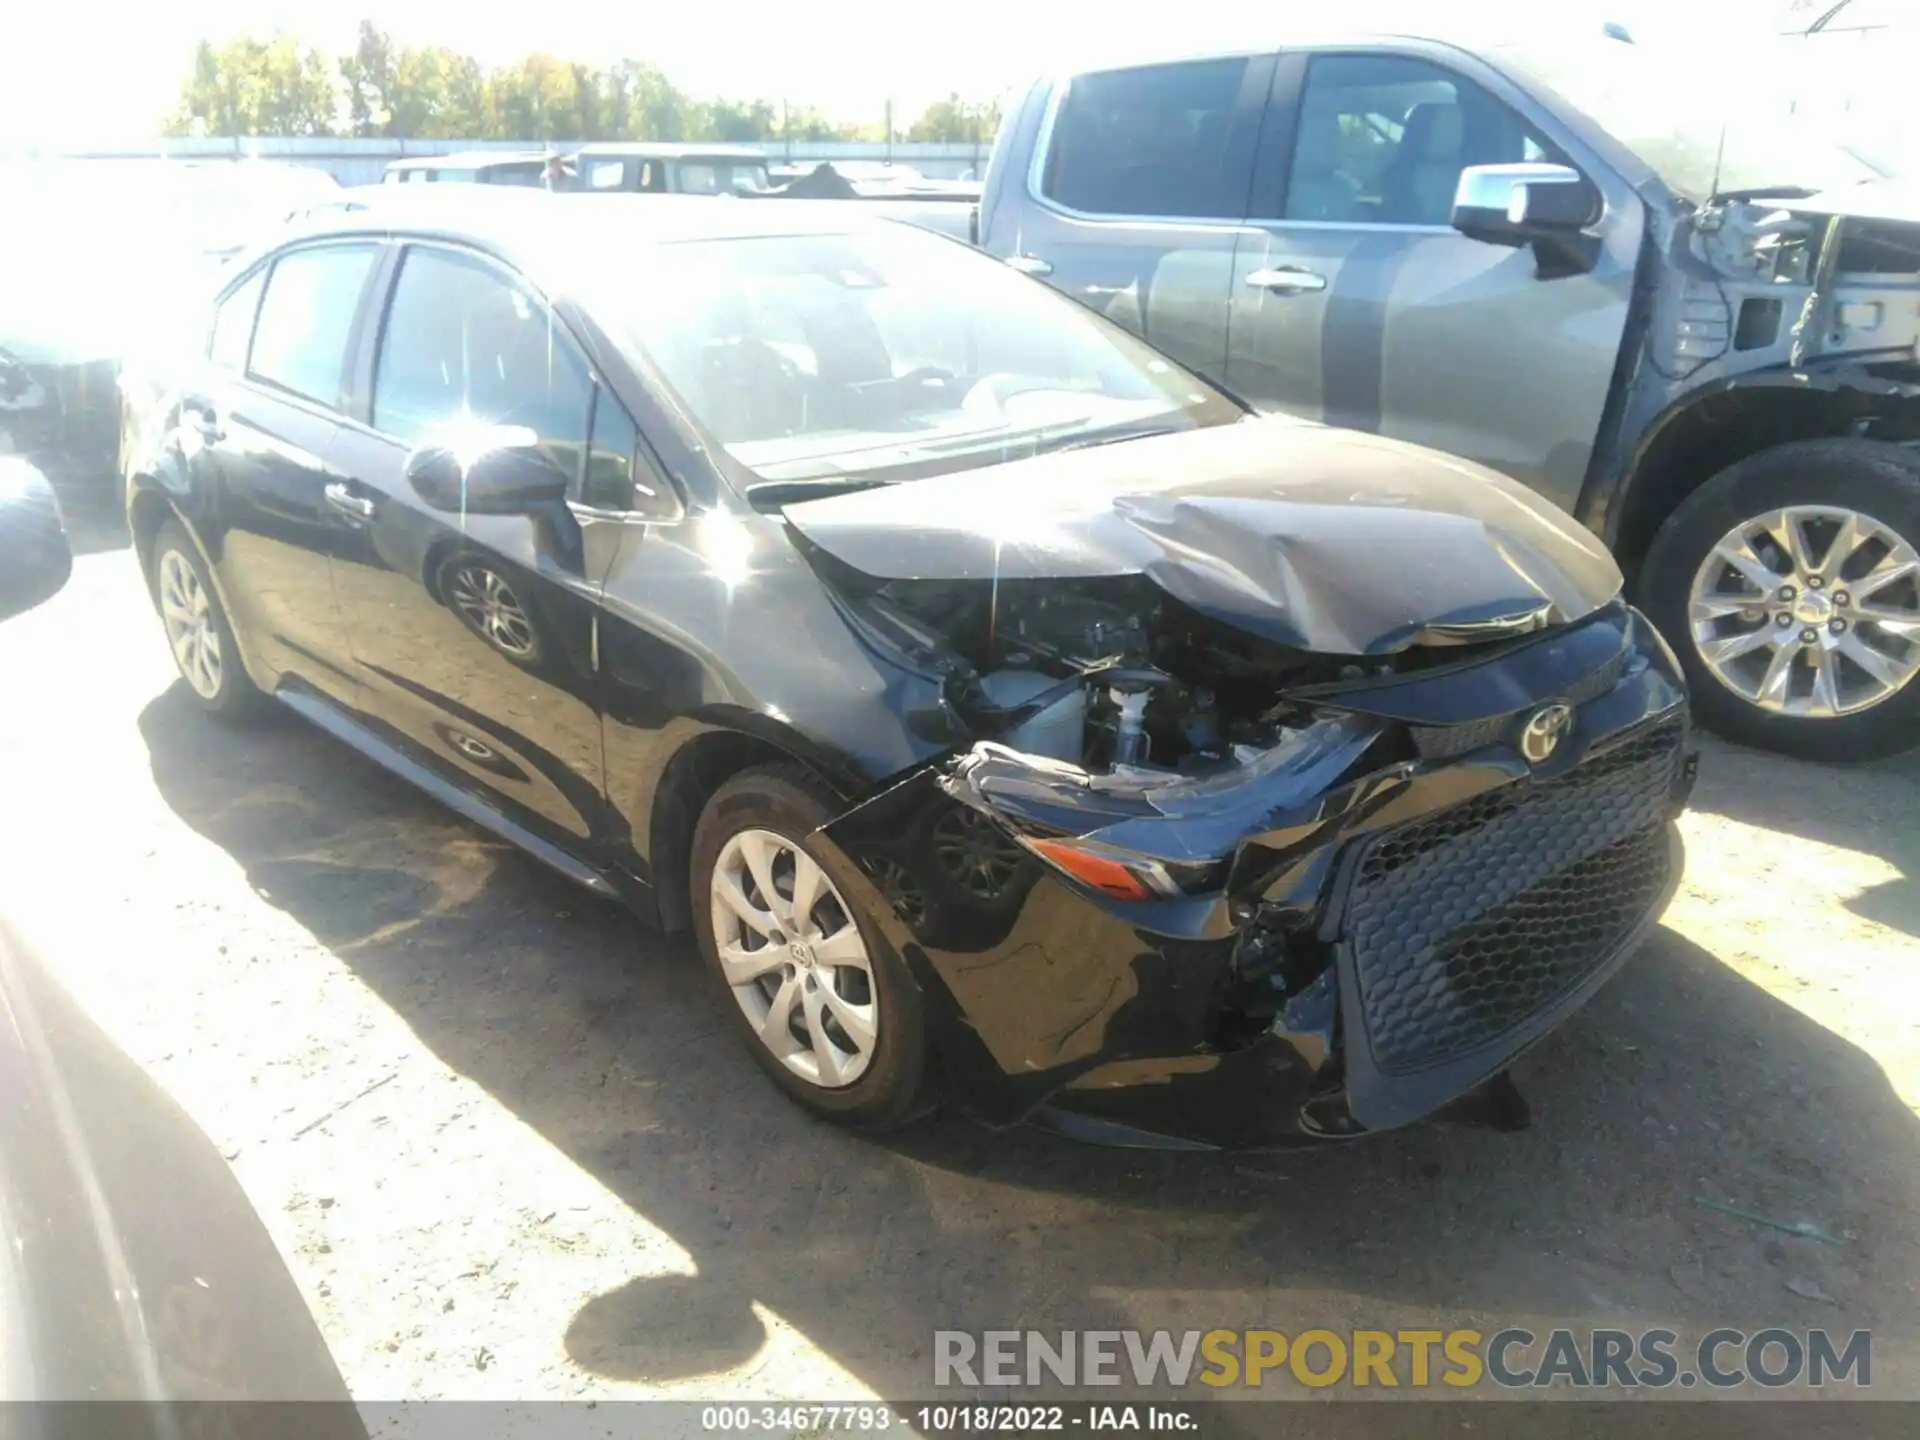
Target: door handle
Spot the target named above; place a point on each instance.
(1286, 280)
(354, 507)
(1029, 264)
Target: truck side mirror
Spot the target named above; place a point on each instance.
(1546, 206)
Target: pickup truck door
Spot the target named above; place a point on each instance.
(1355, 302)
(1135, 199)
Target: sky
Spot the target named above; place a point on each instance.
(62, 82)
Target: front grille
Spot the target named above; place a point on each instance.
(1463, 925)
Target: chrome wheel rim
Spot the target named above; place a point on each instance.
(187, 612)
(1812, 611)
(794, 959)
(493, 609)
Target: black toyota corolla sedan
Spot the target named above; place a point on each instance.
(1013, 717)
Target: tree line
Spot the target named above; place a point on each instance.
(278, 85)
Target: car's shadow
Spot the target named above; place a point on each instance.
(1681, 1082)
(1870, 809)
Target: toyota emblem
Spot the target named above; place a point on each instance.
(1544, 727)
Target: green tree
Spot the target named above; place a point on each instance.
(740, 122)
(248, 86)
(372, 80)
(440, 94)
(534, 99)
(954, 119)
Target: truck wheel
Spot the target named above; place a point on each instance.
(1789, 585)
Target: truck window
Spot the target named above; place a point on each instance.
(606, 175)
(1382, 140)
(1153, 141)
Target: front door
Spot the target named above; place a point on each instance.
(1355, 302)
(475, 635)
(1141, 187)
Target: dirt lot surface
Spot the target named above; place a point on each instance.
(508, 1150)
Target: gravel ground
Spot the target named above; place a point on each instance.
(508, 1150)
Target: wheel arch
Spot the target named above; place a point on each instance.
(732, 742)
(1701, 434)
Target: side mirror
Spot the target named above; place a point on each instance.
(493, 470)
(1546, 206)
(35, 558)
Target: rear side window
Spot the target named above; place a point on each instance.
(1154, 141)
(233, 323)
(464, 343)
(1383, 138)
(300, 339)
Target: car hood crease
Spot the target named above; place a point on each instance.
(1321, 539)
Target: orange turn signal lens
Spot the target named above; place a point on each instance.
(1109, 877)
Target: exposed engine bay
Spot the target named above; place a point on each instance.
(1110, 674)
(1800, 283)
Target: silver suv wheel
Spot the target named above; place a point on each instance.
(1809, 611)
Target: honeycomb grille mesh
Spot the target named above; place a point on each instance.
(1463, 925)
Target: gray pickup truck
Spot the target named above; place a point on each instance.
(1591, 267)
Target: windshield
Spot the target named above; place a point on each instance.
(1670, 107)
(888, 354)
(724, 177)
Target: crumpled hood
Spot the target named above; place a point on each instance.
(1321, 539)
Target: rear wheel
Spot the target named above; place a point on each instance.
(825, 1010)
(198, 631)
(1789, 585)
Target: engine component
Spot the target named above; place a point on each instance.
(1130, 733)
(1057, 730)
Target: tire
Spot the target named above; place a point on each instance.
(1878, 483)
(231, 695)
(889, 1088)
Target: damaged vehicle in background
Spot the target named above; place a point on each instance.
(1013, 717)
(1630, 280)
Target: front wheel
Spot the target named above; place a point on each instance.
(825, 1009)
(1789, 585)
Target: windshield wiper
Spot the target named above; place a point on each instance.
(1094, 440)
(776, 493)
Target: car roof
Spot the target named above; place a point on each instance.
(1396, 25)
(545, 233)
(672, 150)
(467, 158)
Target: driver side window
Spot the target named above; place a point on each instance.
(463, 343)
(1382, 140)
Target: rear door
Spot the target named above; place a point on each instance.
(257, 433)
(475, 635)
(1354, 301)
(1137, 196)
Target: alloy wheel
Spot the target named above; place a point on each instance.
(187, 612)
(491, 607)
(794, 958)
(1810, 611)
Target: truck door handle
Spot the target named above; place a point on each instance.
(1029, 265)
(355, 507)
(1286, 280)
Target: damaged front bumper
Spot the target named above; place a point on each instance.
(1357, 928)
